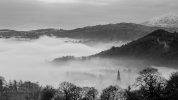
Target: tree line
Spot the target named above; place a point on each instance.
(149, 85)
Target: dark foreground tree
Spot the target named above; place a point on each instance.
(132, 95)
(47, 93)
(172, 87)
(113, 93)
(70, 91)
(2, 89)
(89, 93)
(151, 84)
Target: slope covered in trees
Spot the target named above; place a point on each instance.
(109, 32)
(159, 46)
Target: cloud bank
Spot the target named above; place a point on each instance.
(30, 60)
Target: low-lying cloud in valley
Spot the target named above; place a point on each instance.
(31, 60)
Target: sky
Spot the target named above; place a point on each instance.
(70, 14)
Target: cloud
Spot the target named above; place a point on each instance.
(29, 61)
(27, 57)
(60, 1)
(67, 14)
(90, 2)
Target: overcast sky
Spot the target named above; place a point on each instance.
(67, 14)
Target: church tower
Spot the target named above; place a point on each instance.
(118, 76)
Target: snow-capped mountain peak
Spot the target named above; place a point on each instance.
(168, 20)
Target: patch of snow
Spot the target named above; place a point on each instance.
(168, 20)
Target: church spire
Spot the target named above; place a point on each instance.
(118, 76)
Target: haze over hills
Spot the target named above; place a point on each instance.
(168, 20)
(88, 50)
(159, 47)
(109, 32)
(112, 32)
(159, 44)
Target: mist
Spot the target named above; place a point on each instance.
(30, 60)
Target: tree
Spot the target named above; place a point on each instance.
(113, 93)
(47, 93)
(133, 94)
(2, 82)
(15, 86)
(70, 91)
(89, 93)
(75, 93)
(172, 87)
(151, 84)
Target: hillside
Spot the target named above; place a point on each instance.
(34, 34)
(121, 31)
(159, 47)
(112, 32)
(109, 32)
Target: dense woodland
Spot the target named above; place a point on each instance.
(149, 85)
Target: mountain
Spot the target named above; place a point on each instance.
(159, 47)
(168, 20)
(33, 34)
(109, 32)
(112, 32)
(159, 44)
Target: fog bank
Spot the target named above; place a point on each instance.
(29, 60)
